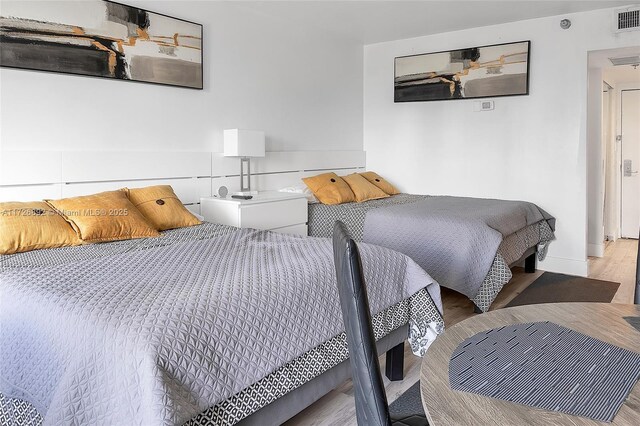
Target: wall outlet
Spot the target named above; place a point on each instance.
(483, 106)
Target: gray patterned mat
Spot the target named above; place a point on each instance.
(547, 366)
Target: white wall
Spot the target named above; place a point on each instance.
(530, 147)
(302, 87)
(595, 163)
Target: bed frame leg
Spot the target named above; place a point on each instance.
(530, 264)
(394, 370)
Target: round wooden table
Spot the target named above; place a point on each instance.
(445, 406)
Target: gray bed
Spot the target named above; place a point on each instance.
(466, 244)
(204, 325)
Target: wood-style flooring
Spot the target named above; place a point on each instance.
(337, 407)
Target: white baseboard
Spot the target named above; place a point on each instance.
(565, 266)
(596, 250)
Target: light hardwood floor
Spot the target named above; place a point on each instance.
(337, 407)
(618, 265)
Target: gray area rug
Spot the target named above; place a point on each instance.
(409, 403)
(545, 365)
(634, 322)
(558, 288)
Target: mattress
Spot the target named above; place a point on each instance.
(466, 244)
(183, 328)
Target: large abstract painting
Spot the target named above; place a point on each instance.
(101, 39)
(479, 72)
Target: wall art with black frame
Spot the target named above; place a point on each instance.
(478, 72)
(101, 39)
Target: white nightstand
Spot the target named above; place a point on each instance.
(275, 211)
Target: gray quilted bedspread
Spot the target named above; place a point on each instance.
(156, 334)
(454, 238)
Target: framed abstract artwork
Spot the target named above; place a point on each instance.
(101, 39)
(478, 72)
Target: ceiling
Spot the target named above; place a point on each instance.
(619, 74)
(370, 22)
(622, 75)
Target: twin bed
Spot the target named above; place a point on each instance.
(204, 325)
(465, 244)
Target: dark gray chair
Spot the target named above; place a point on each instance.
(372, 408)
(637, 298)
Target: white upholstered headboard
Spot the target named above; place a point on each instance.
(27, 176)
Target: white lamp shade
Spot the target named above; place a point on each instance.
(243, 143)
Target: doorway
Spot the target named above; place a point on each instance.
(630, 149)
(613, 116)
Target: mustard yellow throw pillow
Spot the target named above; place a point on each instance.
(329, 188)
(107, 216)
(161, 207)
(381, 183)
(363, 189)
(31, 226)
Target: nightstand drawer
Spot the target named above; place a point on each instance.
(277, 214)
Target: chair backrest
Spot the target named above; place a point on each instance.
(371, 402)
(637, 298)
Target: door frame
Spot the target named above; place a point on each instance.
(611, 212)
(629, 87)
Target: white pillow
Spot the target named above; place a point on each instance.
(301, 189)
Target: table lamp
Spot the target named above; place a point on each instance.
(244, 144)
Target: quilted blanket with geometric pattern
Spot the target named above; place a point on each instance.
(455, 239)
(160, 334)
(466, 244)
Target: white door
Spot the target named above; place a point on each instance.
(630, 163)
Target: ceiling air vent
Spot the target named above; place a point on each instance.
(627, 19)
(625, 60)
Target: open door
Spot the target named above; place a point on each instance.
(630, 121)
